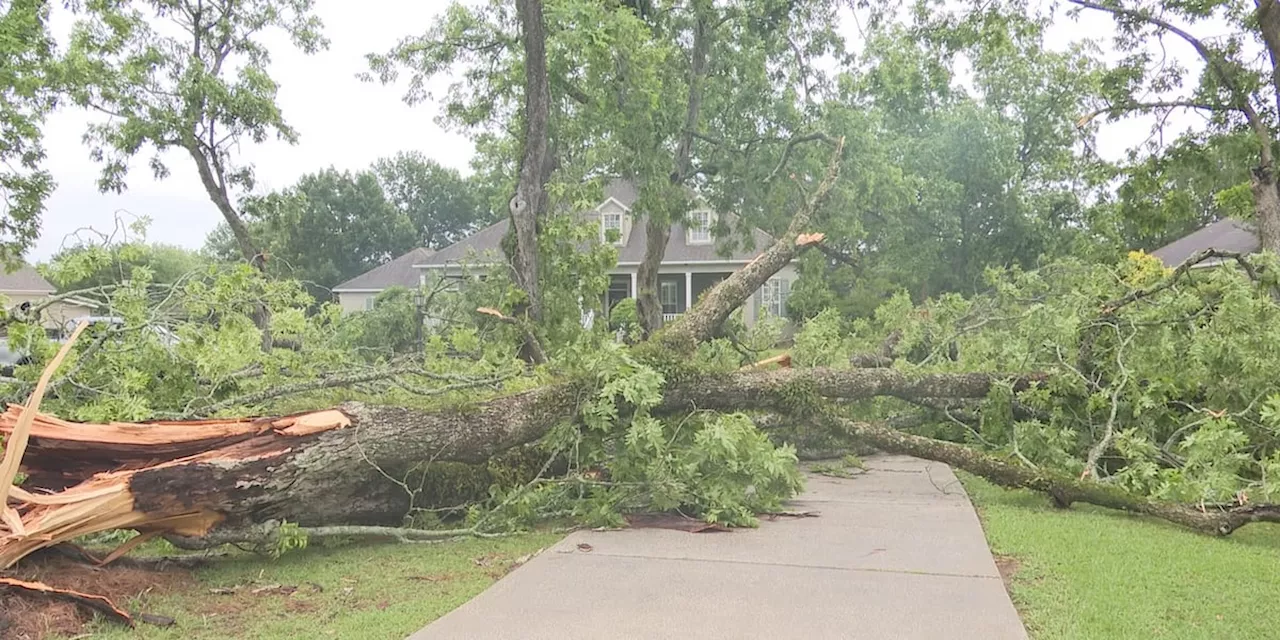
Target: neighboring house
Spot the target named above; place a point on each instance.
(27, 286)
(691, 265)
(1223, 235)
(358, 293)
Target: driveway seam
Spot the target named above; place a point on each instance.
(783, 564)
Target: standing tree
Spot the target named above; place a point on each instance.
(443, 206)
(1237, 90)
(530, 202)
(190, 76)
(25, 97)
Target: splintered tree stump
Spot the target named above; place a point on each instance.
(86, 478)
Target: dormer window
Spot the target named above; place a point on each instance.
(700, 227)
(611, 228)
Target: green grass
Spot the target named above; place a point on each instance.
(364, 591)
(1094, 573)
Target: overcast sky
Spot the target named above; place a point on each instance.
(342, 122)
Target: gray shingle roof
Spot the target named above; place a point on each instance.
(398, 272)
(1223, 235)
(25, 278)
(486, 244)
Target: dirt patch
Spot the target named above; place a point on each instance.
(28, 617)
(300, 606)
(1008, 568)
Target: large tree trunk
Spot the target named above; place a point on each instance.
(657, 231)
(529, 204)
(329, 467)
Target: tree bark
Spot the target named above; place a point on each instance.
(529, 204)
(335, 467)
(657, 232)
(1266, 201)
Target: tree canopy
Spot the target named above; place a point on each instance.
(27, 90)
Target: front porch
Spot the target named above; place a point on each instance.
(677, 291)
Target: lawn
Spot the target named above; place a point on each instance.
(354, 591)
(1093, 573)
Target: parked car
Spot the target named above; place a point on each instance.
(10, 358)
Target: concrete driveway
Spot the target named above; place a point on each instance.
(897, 552)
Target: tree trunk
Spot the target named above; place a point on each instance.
(701, 322)
(529, 204)
(336, 466)
(657, 231)
(328, 467)
(1267, 209)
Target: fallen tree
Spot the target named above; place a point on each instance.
(346, 470)
(215, 481)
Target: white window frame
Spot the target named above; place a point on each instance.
(674, 287)
(700, 227)
(604, 228)
(771, 298)
(368, 301)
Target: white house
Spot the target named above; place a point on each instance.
(692, 263)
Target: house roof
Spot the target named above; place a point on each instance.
(398, 272)
(26, 279)
(487, 242)
(1223, 235)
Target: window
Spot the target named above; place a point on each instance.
(368, 301)
(773, 297)
(611, 228)
(700, 227)
(669, 296)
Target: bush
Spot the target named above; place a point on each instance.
(624, 315)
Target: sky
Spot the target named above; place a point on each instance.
(342, 122)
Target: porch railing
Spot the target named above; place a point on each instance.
(668, 317)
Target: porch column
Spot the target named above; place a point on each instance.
(634, 292)
(688, 290)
